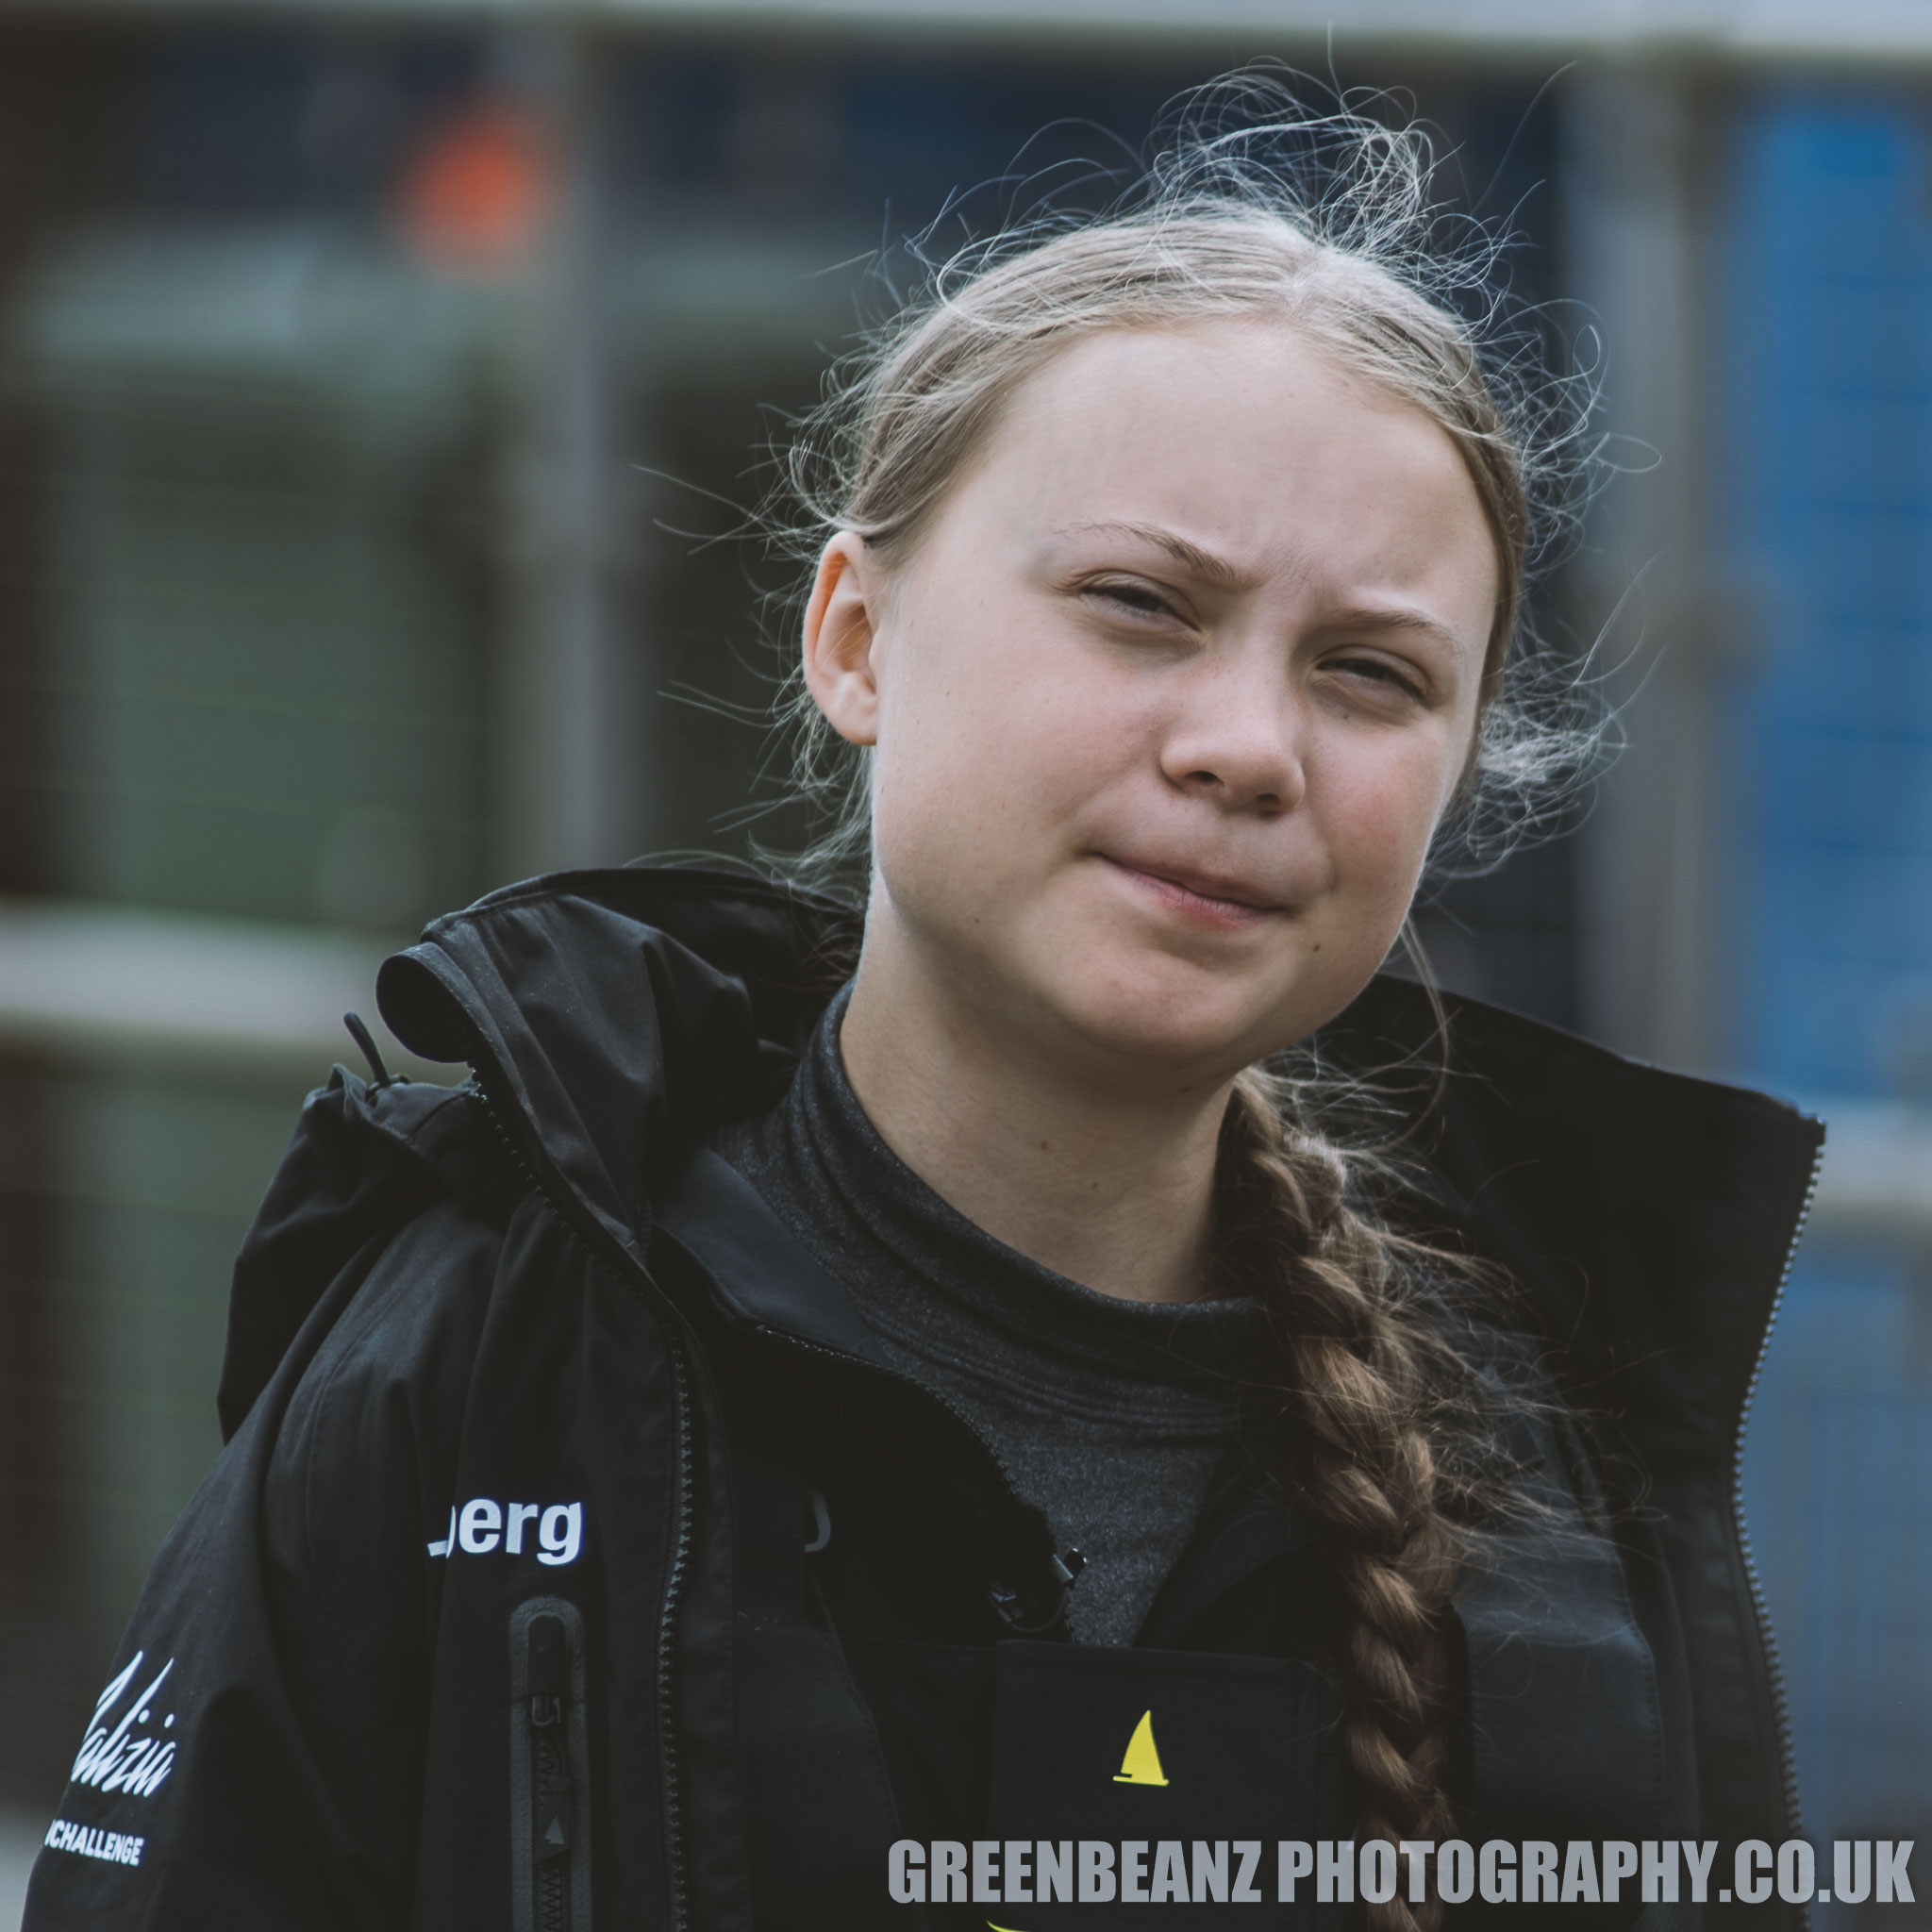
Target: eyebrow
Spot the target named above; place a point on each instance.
(1374, 621)
(1202, 564)
(1218, 571)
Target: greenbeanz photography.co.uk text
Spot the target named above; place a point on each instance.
(1499, 1870)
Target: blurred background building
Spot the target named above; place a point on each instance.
(382, 386)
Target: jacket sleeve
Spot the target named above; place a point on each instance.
(254, 1759)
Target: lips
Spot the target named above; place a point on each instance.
(1208, 890)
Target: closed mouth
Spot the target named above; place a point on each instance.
(1208, 892)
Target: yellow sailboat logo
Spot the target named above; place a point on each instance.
(1141, 1765)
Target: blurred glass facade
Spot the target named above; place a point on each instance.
(377, 410)
(1825, 371)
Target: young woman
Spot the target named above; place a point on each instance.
(930, 1421)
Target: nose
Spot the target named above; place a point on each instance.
(1236, 739)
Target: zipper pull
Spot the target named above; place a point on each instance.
(549, 1672)
(549, 1689)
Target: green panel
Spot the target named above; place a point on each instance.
(268, 600)
(165, 1180)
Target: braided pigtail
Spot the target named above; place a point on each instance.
(1362, 1382)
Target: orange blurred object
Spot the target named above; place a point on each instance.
(475, 194)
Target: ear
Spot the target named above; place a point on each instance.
(841, 638)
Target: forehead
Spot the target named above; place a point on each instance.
(1241, 435)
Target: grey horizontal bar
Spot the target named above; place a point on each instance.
(1876, 1180)
(110, 984)
(230, 1000)
(1855, 28)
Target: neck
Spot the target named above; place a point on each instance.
(1113, 1189)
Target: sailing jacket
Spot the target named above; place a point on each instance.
(575, 1561)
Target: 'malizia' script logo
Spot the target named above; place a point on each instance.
(117, 1757)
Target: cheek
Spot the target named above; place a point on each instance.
(1380, 807)
(965, 754)
(989, 747)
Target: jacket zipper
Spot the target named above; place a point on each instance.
(677, 1567)
(1774, 1666)
(676, 1570)
(549, 1763)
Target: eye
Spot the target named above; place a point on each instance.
(1131, 595)
(1397, 680)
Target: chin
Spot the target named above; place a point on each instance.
(1181, 1025)
(1149, 1004)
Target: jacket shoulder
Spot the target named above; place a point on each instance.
(365, 1160)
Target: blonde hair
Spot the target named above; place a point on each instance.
(1324, 224)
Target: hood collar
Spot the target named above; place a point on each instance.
(612, 1014)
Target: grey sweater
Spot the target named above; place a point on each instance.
(1109, 1416)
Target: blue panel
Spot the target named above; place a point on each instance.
(1825, 362)
(1825, 366)
(1838, 1487)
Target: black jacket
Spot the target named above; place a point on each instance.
(575, 1561)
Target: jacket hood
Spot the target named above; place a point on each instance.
(613, 1015)
(1645, 1216)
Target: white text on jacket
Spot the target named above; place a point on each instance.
(482, 1525)
(91, 1841)
(123, 1758)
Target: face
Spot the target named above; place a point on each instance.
(1166, 700)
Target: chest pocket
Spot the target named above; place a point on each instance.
(1566, 1721)
(1142, 1788)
